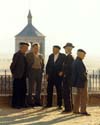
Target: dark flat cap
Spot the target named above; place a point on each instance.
(81, 50)
(56, 46)
(69, 45)
(24, 43)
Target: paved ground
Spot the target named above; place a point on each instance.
(51, 116)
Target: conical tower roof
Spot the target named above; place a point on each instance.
(29, 30)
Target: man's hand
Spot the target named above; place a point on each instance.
(60, 73)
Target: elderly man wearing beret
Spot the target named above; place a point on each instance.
(18, 69)
(54, 76)
(79, 78)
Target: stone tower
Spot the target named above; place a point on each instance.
(30, 34)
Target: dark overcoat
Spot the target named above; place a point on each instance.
(79, 75)
(19, 65)
(54, 68)
(67, 66)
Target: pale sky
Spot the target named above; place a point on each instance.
(61, 21)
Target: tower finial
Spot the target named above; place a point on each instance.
(29, 17)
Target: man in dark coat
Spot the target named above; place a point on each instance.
(67, 82)
(18, 69)
(54, 76)
(79, 78)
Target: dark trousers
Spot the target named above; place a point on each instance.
(57, 82)
(67, 94)
(35, 79)
(19, 92)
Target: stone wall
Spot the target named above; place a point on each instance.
(93, 100)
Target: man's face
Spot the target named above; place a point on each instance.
(55, 50)
(24, 48)
(68, 49)
(35, 48)
(81, 55)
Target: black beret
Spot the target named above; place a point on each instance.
(81, 50)
(56, 46)
(24, 43)
(69, 45)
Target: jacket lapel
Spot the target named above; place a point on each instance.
(57, 58)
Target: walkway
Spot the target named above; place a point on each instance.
(51, 116)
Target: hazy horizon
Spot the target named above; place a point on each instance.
(92, 63)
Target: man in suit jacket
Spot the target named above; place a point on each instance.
(18, 69)
(79, 77)
(67, 82)
(54, 76)
(35, 69)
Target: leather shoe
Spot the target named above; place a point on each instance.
(85, 113)
(66, 112)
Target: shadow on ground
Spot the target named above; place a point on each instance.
(33, 116)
